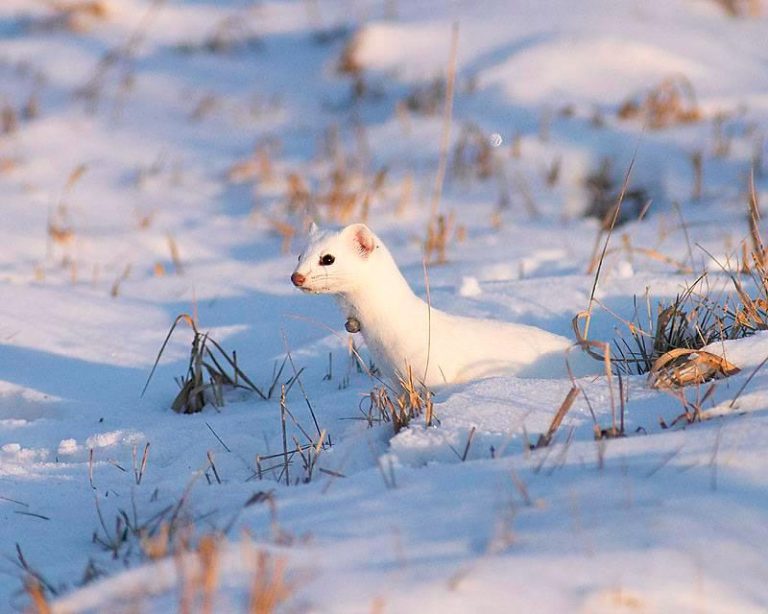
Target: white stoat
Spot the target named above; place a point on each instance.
(402, 330)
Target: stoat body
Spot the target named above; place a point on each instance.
(401, 330)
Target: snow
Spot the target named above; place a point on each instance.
(461, 516)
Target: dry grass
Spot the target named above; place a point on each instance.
(741, 8)
(438, 236)
(8, 164)
(199, 572)
(36, 593)
(604, 191)
(546, 438)
(118, 65)
(114, 291)
(60, 230)
(669, 346)
(437, 228)
(348, 62)
(9, 120)
(230, 35)
(269, 586)
(400, 406)
(78, 16)
(688, 323)
(256, 167)
(671, 102)
(298, 197)
(427, 98)
(697, 162)
(682, 367)
(472, 156)
(286, 232)
(339, 194)
(210, 370)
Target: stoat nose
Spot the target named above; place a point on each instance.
(298, 279)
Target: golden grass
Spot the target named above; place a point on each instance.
(269, 585)
(399, 406)
(671, 102)
(436, 243)
(38, 602)
(546, 438)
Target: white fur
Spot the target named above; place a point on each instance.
(401, 330)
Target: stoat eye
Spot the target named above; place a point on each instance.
(327, 260)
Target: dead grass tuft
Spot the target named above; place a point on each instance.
(427, 98)
(269, 586)
(604, 190)
(472, 156)
(256, 167)
(439, 232)
(410, 401)
(210, 371)
(9, 120)
(349, 62)
(669, 347)
(679, 330)
(78, 16)
(230, 35)
(741, 8)
(671, 102)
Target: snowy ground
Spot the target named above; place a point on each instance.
(146, 157)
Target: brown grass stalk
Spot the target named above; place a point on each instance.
(446, 131)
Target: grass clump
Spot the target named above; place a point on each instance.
(671, 351)
(670, 347)
(472, 156)
(670, 103)
(400, 406)
(606, 200)
(210, 370)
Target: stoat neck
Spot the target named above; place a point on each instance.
(384, 293)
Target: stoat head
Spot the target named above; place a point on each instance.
(336, 262)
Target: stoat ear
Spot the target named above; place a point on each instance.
(313, 229)
(363, 239)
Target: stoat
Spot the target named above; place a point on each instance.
(401, 330)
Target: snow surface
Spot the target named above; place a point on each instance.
(663, 520)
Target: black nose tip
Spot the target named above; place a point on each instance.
(298, 279)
